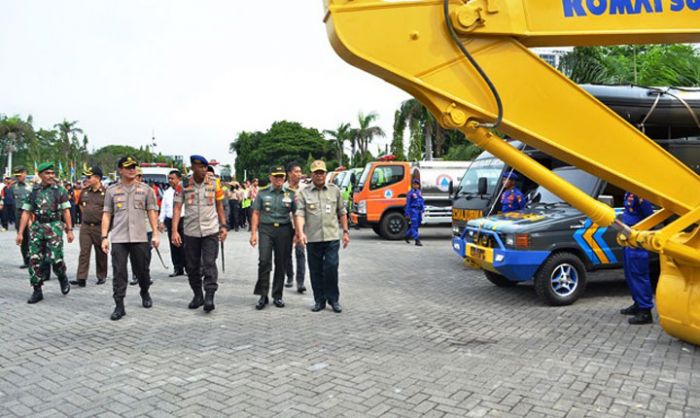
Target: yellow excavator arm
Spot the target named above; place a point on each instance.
(466, 60)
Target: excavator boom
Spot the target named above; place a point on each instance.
(408, 44)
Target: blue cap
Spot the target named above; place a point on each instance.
(198, 159)
(416, 181)
(511, 175)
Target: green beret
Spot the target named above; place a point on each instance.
(45, 166)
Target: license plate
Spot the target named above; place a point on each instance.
(477, 253)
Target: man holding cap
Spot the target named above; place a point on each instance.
(91, 204)
(319, 217)
(271, 215)
(48, 202)
(126, 204)
(512, 198)
(205, 226)
(20, 190)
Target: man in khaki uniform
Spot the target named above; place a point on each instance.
(205, 226)
(91, 204)
(126, 205)
(320, 214)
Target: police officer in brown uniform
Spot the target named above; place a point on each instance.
(126, 204)
(91, 205)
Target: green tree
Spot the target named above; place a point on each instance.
(15, 134)
(283, 143)
(365, 133)
(397, 147)
(339, 136)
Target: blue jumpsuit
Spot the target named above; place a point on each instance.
(636, 260)
(415, 205)
(512, 200)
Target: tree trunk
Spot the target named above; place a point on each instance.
(428, 133)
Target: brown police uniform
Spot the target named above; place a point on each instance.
(91, 204)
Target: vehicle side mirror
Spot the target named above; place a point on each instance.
(483, 185)
(534, 196)
(451, 188)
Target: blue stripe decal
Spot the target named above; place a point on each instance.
(578, 237)
(598, 237)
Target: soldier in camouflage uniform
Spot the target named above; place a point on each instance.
(48, 202)
(20, 190)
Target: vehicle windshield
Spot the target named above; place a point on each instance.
(347, 178)
(155, 178)
(365, 174)
(338, 179)
(486, 165)
(579, 178)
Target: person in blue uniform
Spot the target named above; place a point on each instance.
(636, 264)
(415, 205)
(512, 198)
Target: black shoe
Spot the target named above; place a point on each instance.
(408, 241)
(301, 289)
(418, 243)
(209, 302)
(288, 284)
(37, 295)
(134, 281)
(336, 307)
(176, 273)
(633, 309)
(102, 280)
(79, 283)
(146, 300)
(197, 300)
(65, 285)
(318, 307)
(642, 317)
(24, 266)
(279, 303)
(119, 311)
(262, 302)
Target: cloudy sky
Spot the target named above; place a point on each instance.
(195, 72)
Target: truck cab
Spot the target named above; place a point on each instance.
(380, 195)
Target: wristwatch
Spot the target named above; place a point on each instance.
(346, 231)
(105, 237)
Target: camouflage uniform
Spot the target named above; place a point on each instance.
(20, 190)
(46, 233)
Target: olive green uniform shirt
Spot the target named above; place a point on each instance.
(92, 203)
(19, 191)
(47, 202)
(128, 205)
(275, 205)
(321, 209)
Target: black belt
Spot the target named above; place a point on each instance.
(46, 219)
(277, 225)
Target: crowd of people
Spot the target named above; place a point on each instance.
(284, 218)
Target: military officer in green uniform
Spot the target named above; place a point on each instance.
(48, 202)
(20, 190)
(271, 215)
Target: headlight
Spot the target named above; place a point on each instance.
(362, 207)
(510, 240)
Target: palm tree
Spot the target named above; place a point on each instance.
(341, 134)
(365, 132)
(67, 132)
(417, 117)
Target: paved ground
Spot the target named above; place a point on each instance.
(420, 336)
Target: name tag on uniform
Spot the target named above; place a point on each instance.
(286, 200)
(328, 208)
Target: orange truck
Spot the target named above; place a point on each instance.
(379, 196)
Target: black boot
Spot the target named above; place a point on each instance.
(633, 309)
(119, 311)
(418, 243)
(37, 295)
(262, 302)
(209, 301)
(177, 272)
(65, 285)
(146, 300)
(79, 283)
(197, 300)
(642, 317)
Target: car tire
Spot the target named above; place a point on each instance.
(561, 280)
(499, 279)
(393, 226)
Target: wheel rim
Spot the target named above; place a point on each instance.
(395, 225)
(564, 279)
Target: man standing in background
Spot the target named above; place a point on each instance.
(177, 254)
